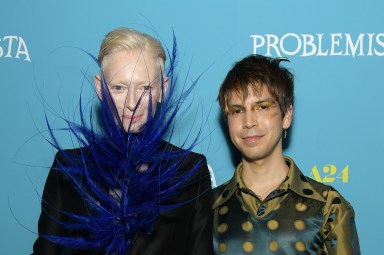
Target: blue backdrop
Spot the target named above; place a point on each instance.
(336, 50)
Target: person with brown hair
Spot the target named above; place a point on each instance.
(269, 206)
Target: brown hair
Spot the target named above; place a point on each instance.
(256, 71)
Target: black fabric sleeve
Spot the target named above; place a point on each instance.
(59, 196)
(202, 220)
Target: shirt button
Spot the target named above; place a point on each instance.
(261, 210)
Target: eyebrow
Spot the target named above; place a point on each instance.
(126, 82)
(268, 99)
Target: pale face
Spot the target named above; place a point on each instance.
(131, 75)
(256, 124)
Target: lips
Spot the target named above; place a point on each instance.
(131, 118)
(252, 139)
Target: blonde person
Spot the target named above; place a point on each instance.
(126, 190)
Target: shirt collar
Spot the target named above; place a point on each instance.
(230, 187)
(295, 181)
(300, 184)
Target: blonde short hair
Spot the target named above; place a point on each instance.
(130, 39)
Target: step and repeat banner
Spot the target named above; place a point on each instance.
(335, 48)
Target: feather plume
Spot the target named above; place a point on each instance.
(123, 177)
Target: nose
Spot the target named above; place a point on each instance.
(249, 119)
(131, 99)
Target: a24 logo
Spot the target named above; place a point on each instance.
(330, 173)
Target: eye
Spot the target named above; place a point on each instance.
(234, 111)
(264, 106)
(147, 87)
(117, 87)
(143, 89)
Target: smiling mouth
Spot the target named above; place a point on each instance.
(252, 139)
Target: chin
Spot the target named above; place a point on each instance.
(253, 156)
(135, 128)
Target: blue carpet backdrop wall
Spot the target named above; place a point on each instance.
(336, 50)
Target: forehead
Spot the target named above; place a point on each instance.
(251, 93)
(132, 64)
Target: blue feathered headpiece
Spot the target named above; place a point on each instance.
(108, 172)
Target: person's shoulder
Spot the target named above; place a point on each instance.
(188, 154)
(195, 164)
(192, 165)
(73, 151)
(64, 160)
(316, 189)
(332, 196)
(219, 189)
(66, 156)
(318, 186)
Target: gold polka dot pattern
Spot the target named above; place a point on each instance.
(287, 223)
(300, 246)
(223, 247)
(247, 226)
(248, 246)
(273, 245)
(301, 207)
(299, 225)
(222, 228)
(273, 224)
(223, 210)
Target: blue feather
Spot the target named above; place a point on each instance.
(123, 199)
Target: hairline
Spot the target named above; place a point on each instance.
(158, 60)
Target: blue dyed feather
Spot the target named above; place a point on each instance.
(123, 199)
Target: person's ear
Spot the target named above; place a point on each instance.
(164, 89)
(97, 81)
(287, 120)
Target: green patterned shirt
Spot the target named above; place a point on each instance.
(301, 216)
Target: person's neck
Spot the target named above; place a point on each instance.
(265, 174)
